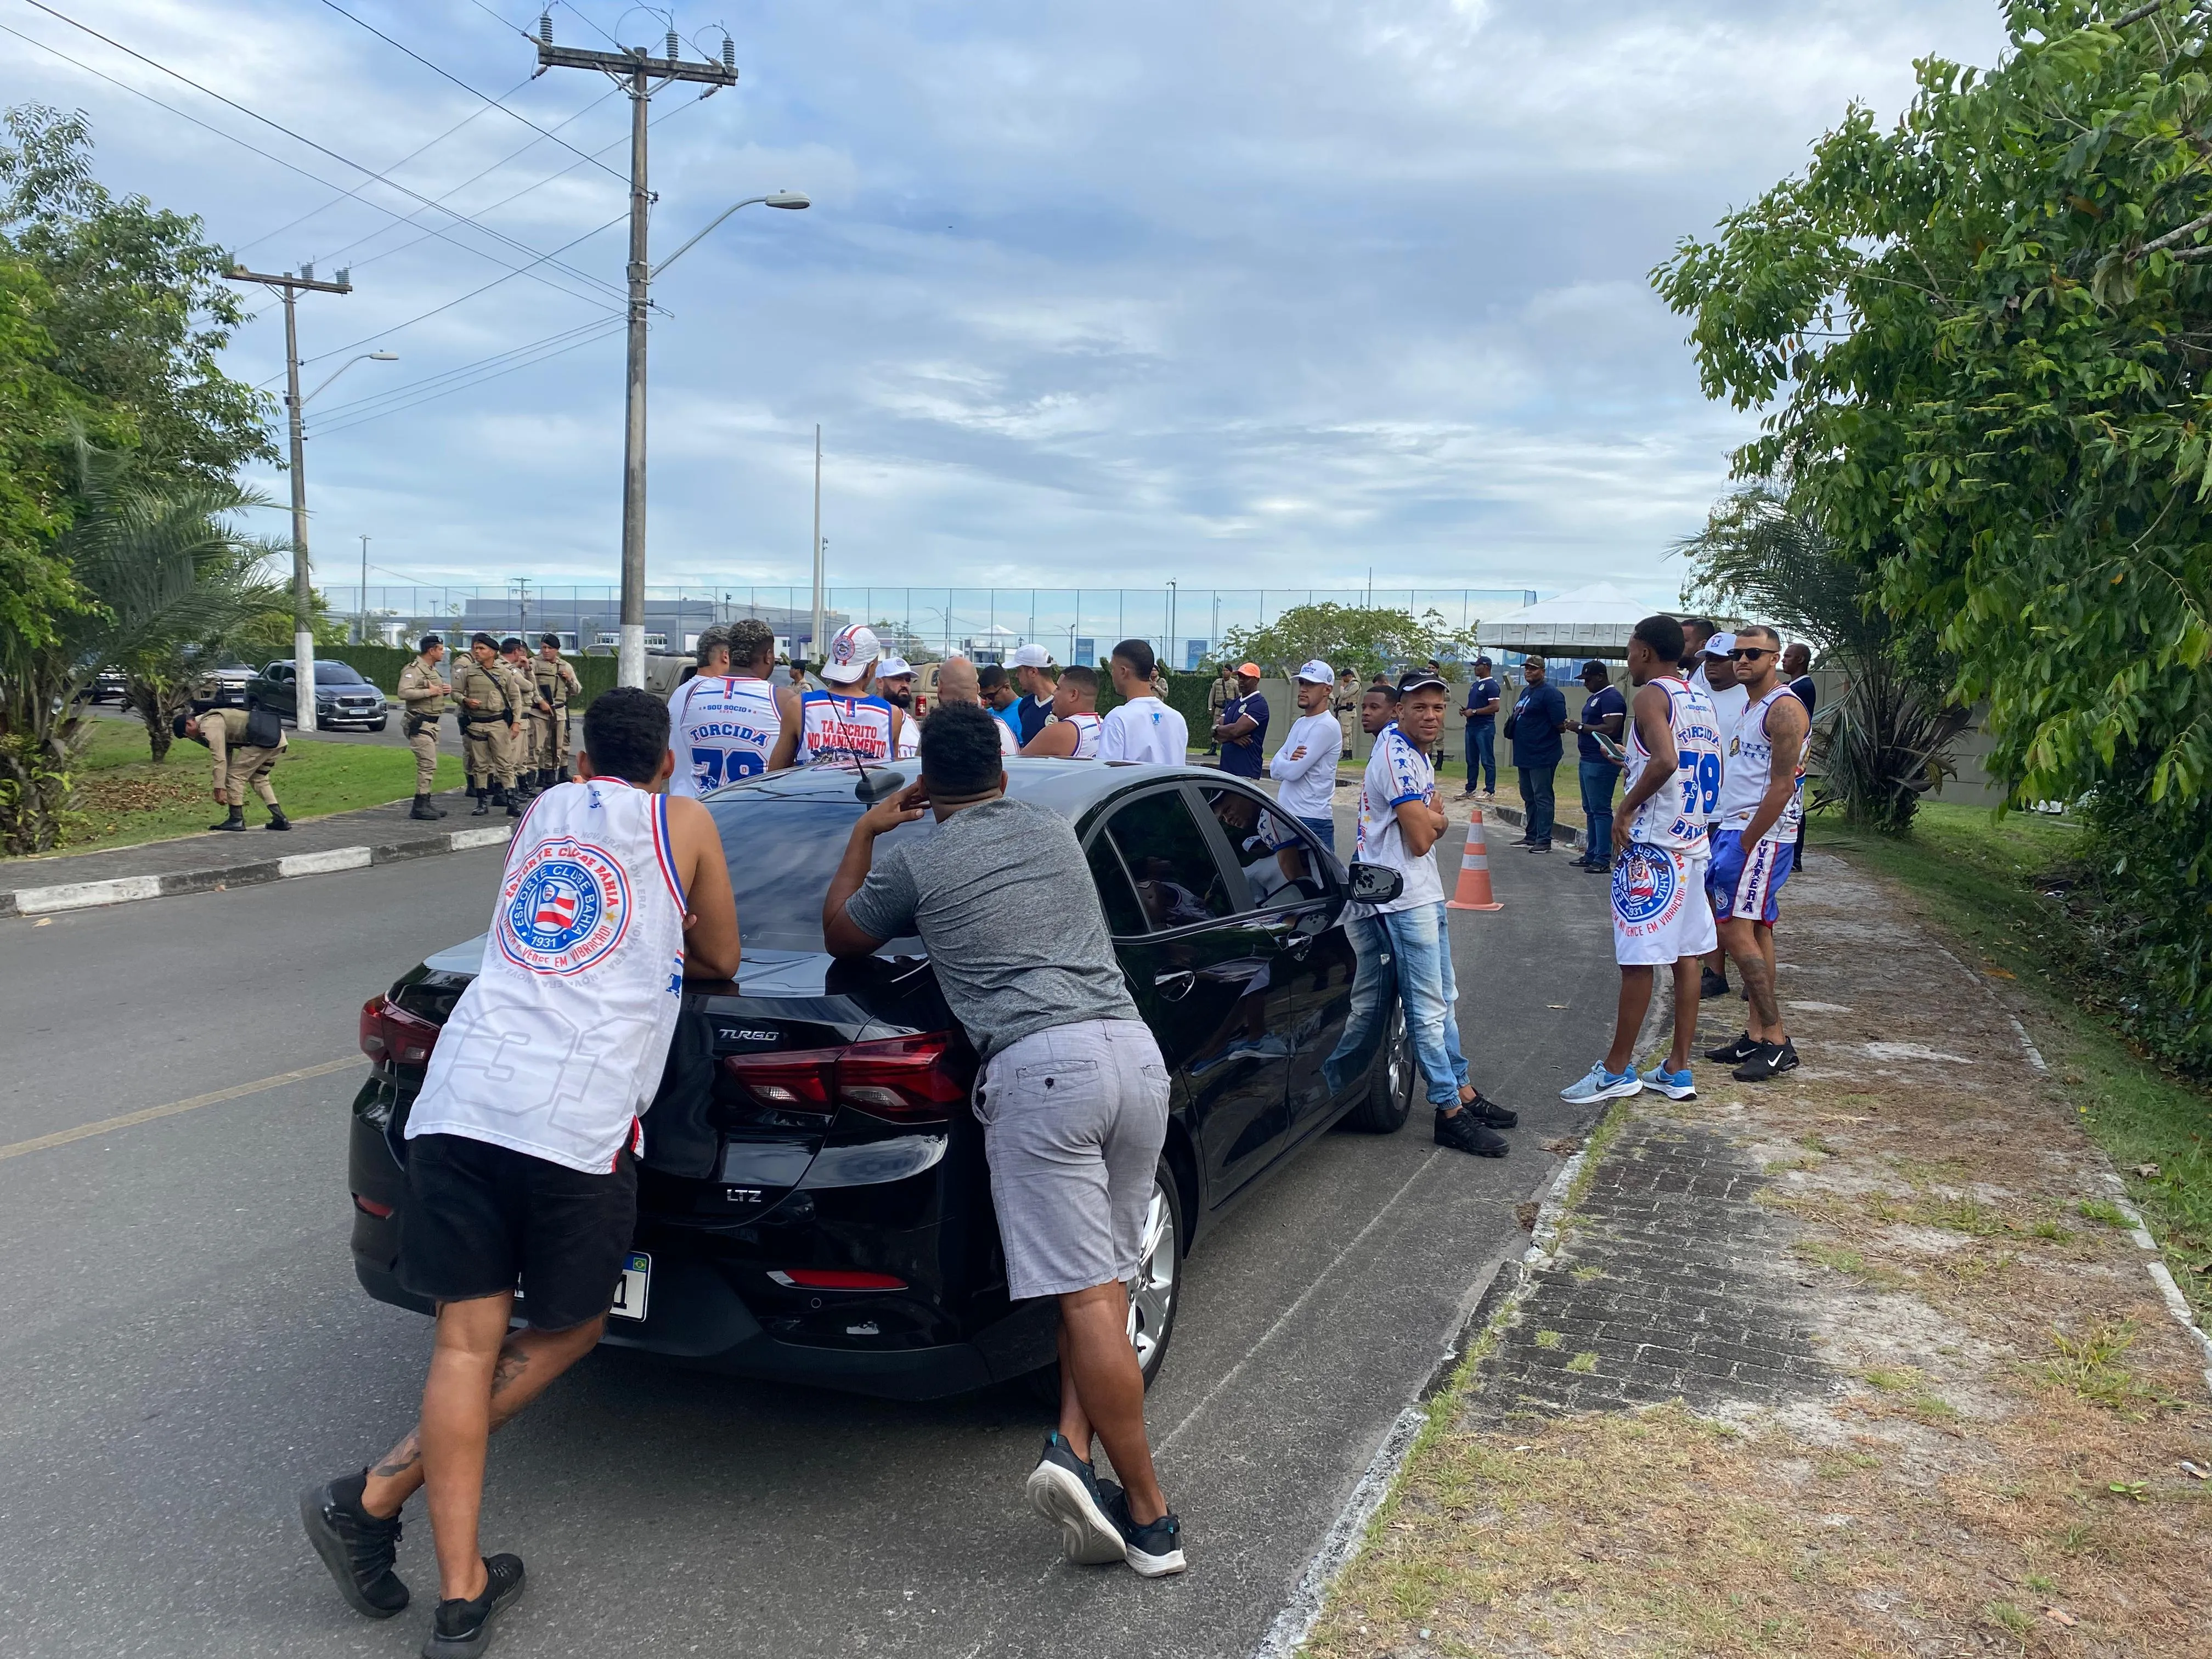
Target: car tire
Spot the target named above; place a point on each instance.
(1155, 1295)
(1390, 1085)
(381, 724)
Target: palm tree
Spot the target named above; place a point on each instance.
(1889, 740)
(162, 577)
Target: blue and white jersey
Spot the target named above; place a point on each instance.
(1750, 766)
(833, 726)
(1676, 815)
(1397, 773)
(1087, 728)
(556, 1047)
(722, 728)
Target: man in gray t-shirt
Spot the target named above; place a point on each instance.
(1072, 1094)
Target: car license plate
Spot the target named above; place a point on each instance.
(636, 1281)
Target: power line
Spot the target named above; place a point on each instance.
(385, 333)
(466, 88)
(412, 218)
(346, 412)
(344, 196)
(323, 149)
(601, 332)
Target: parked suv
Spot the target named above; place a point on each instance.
(813, 1200)
(342, 696)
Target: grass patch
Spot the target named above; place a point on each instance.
(1841, 1258)
(124, 799)
(2089, 1365)
(1975, 876)
(2104, 1210)
(1583, 1364)
(1966, 1215)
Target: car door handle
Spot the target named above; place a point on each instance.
(1175, 986)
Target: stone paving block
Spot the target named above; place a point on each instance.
(1696, 1299)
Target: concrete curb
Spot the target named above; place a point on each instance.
(174, 883)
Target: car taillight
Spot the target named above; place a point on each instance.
(833, 1279)
(369, 1206)
(908, 1080)
(389, 1033)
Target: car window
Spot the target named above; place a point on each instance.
(1124, 917)
(1177, 881)
(338, 673)
(1280, 865)
(781, 852)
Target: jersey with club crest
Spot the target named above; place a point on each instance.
(1675, 817)
(833, 726)
(722, 727)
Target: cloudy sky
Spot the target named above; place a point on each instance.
(1253, 291)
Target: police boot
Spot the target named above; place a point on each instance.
(484, 802)
(422, 809)
(276, 818)
(561, 776)
(545, 779)
(235, 821)
(514, 803)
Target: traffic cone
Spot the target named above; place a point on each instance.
(1474, 872)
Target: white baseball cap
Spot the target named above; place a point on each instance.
(1032, 656)
(1318, 672)
(891, 667)
(1719, 646)
(853, 652)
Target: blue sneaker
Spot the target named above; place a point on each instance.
(1602, 1084)
(1675, 1085)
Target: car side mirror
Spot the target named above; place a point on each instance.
(1373, 883)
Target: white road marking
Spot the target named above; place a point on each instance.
(85, 1131)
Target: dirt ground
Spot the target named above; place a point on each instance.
(2012, 1453)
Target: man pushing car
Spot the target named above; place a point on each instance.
(1072, 1094)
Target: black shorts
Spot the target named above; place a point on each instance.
(479, 1217)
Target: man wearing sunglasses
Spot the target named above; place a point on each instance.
(1754, 845)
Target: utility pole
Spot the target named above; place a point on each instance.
(814, 642)
(303, 593)
(522, 605)
(636, 72)
(364, 590)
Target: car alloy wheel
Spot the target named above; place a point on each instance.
(1152, 1288)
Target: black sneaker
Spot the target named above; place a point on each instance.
(1736, 1052)
(463, 1627)
(357, 1547)
(1709, 986)
(1066, 1492)
(1768, 1060)
(1463, 1133)
(1155, 1550)
(1539, 846)
(1488, 1112)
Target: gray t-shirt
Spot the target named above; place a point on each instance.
(1001, 896)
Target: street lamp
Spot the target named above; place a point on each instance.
(1172, 596)
(365, 357)
(791, 199)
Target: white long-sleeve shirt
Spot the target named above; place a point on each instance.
(1306, 766)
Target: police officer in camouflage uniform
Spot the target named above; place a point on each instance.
(556, 686)
(522, 691)
(423, 693)
(483, 694)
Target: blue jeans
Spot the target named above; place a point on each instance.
(1324, 831)
(1482, 750)
(1598, 778)
(1536, 794)
(1422, 946)
(1369, 943)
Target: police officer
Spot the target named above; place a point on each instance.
(423, 693)
(237, 763)
(555, 685)
(484, 694)
(522, 695)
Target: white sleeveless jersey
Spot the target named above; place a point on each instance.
(1009, 745)
(837, 727)
(1675, 817)
(1750, 768)
(910, 736)
(1087, 728)
(556, 1047)
(722, 728)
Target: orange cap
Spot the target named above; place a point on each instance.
(1251, 668)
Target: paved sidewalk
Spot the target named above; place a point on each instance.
(1872, 1358)
(193, 864)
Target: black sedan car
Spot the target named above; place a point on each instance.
(813, 1199)
(343, 698)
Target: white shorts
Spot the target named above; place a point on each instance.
(1660, 913)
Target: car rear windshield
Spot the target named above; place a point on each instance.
(338, 673)
(783, 851)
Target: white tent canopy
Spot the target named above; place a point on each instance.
(1591, 622)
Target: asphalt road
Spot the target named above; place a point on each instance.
(184, 1347)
